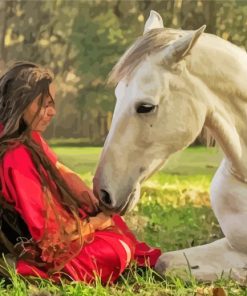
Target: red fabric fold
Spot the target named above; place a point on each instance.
(144, 255)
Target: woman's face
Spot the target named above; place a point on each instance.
(43, 119)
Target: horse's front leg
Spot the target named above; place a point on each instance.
(229, 202)
(226, 257)
(205, 263)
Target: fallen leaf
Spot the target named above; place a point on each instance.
(219, 292)
(210, 291)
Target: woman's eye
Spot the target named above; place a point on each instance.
(146, 108)
(49, 104)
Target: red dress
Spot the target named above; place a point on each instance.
(103, 256)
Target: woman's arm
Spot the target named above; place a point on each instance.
(80, 190)
(77, 186)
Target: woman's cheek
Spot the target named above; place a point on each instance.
(42, 112)
(37, 121)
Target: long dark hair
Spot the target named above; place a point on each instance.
(19, 86)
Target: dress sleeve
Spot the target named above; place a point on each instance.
(88, 202)
(80, 190)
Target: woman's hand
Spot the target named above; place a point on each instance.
(101, 221)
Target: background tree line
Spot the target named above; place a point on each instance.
(82, 40)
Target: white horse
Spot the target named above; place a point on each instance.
(171, 84)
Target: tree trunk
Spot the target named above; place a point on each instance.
(210, 15)
(194, 16)
(3, 18)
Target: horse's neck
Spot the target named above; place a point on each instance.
(231, 141)
(225, 76)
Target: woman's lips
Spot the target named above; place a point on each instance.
(46, 122)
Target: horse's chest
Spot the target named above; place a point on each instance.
(228, 194)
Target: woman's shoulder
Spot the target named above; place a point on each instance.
(45, 147)
(17, 156)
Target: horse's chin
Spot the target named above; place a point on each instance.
(133, 199)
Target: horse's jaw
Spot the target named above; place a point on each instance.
(132, 200)
(135, 195)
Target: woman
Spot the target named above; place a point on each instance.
(50, 219)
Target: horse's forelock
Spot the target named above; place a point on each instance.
(152, 41)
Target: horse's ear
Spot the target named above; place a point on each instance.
(181, 47)
(153, 22)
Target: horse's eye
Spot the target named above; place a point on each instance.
(146, 108)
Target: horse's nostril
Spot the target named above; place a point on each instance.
(105, 198)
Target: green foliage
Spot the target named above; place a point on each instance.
(231, 21)
(82, 40)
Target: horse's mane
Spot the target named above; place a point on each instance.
(152, 41)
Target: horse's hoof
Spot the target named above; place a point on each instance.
(162, 264)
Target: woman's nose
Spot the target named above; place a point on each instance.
(51, 111)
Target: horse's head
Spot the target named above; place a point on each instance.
(157, 112)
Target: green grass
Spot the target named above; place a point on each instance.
(174, 212)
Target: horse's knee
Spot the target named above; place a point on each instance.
(161, 264)
(236, 239)
(171, 261)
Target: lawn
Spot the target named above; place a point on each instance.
(174, 212)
